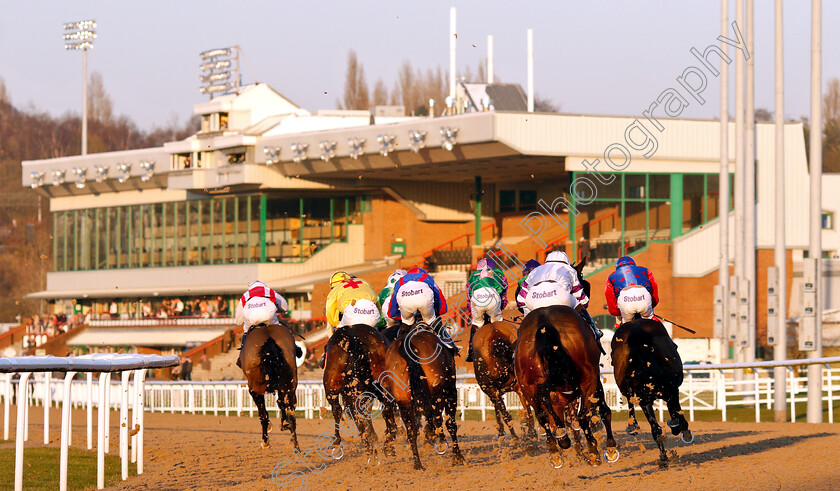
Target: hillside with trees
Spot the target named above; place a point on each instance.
(25, 220)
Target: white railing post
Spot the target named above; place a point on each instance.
(135, 396)
(6, 401)
(722, 397)
(691, 396)
(140, 424)
(483, 407)
(102, 422)
(792, 396)
(47, 376)
(757, 397)
(830, 393)
(66, 430)
(108, 412)
(89, 410)
(22, 404)
(125, 377)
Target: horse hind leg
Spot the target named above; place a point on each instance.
(611, 454)
(632, 422)
(286, 402)
(678, 423)
(337, 411)
(502, 408)
(656, 432)
(390, 427)
(498, 404)
(259, 400)
(408, 416)
(452, 426)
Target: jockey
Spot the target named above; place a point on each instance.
(416, 292)
(487, 289)
(348, 291)
(555, 283)
(631, 290)
(385, 299)
(253, 309)
(529, 266)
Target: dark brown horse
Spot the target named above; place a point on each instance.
(355, 361)
(493, 353)
(648, 367)
(268, 360)
(421, 378)
(556, 365)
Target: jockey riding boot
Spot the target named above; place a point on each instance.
(241, 345)
(470, 350)
(589, 320)
(323, 361)
(438, 327)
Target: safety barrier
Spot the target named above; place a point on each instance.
(50, 390)
(705, 388)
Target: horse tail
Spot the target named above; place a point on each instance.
(419, 387)
(503, 352)
(556, 360)
(274, 365)
(358, 361)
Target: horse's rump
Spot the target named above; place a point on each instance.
(268, 359)
(644, 347)
(495, 342)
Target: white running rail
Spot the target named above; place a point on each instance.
(49, 390)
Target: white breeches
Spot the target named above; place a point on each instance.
(362, 311)
(413, 297)
(635, 300)
(485, 301)
(259, 310)
(548, 293)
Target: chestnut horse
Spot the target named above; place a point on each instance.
(355, 361)
(648, 367)
(493, 366)
(556, 364)
(421, 378)
(268, 360)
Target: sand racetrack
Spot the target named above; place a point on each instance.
(212, 452)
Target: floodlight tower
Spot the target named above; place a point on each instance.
(79, 36)
(220, 70)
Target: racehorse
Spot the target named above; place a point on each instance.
(355, 360)
(422, 381)
(268, 360)
(648, 367)
(556, 364)
(493, 353)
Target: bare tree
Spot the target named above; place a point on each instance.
(831, 126)
(355, 87)
(100, 106)
(380, 93)
(544, 105)
(4, 96)
(762, 114)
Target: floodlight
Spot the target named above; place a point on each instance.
(272, 155)
(357, 147)
(148, 170)
(449, 137)
(101, 173)
(80, 36)
(416, 140)
(37, 179)
(327, 150)
(299, 151)
(217, 68)
(81, 176)
(387, 144)
(58, 177)
(125, 171)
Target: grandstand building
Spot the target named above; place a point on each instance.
(267, 190)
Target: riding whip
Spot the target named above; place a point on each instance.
(692, 331)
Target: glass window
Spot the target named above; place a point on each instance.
(827, 220)
(527, 200)
(634, 186)
(507, 200)
(692, 201)
(660, 186)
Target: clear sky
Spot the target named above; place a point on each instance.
(611, 57)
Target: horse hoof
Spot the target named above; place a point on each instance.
(270, 427)
(418, 466)
(502, 437)
(556, 461)
(264, 445)
(687, 436)
(632, 430)
(674, 423)
(457, 459)
(373, 459)
(445, 447)
(611, 455)
(340, 454)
